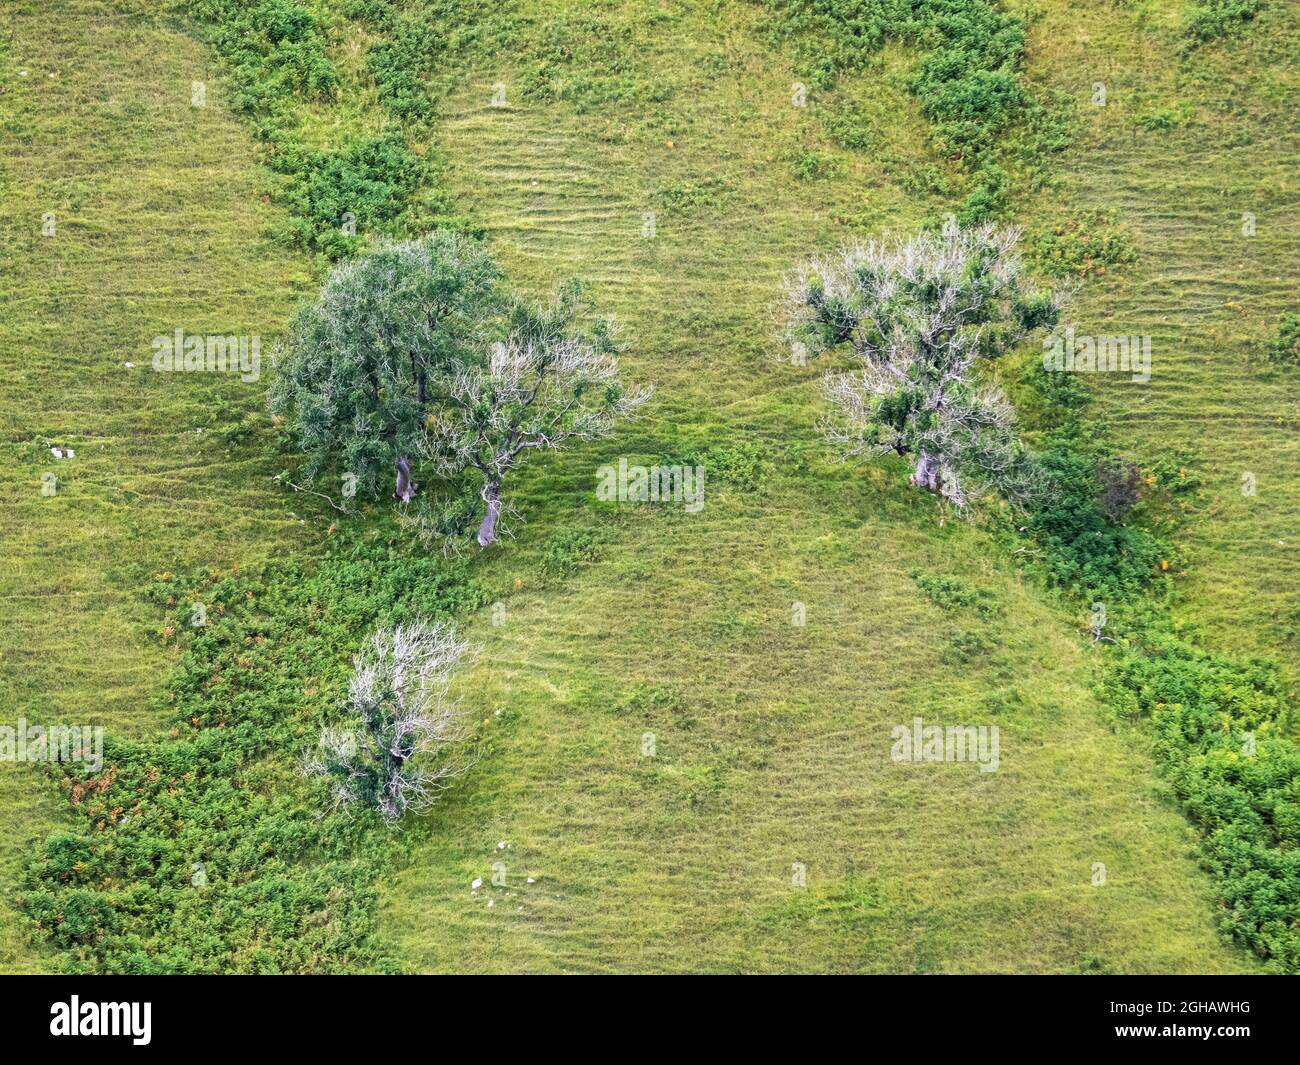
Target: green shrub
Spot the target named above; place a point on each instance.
(370, 178)
(1180, 116)
(570, 550)
(953, 593)
(968, 80)
(1208, 20)
(1087, 242)
(276, 50)
(1084, 550)
(987, 198)
(1221, 726)
(742, 463)
(401, 65)
(689, 195)
(1286, 348)
(847, 126)
(964, 646)
(815, 166)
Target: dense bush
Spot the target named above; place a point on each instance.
(401, 64)
(1210, 19)
(1221, 728)
(369, 180)
(1286, 348)
(1084, 549)
(276, 49)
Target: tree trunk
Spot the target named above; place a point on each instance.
(487, 532)
(927, 471)
(405, 486)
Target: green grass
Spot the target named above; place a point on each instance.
(776, 735)
(771, 740)
(1209, 296)
(159, 223)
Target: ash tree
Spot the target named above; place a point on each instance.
(405, 738)
(355, 378)
(915, 317)
(547, 384)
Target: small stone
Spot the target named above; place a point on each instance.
(476, 883)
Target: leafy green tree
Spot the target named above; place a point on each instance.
(355, 380)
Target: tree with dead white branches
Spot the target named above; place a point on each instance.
(545, 385)
(916, 316)
(405, 740)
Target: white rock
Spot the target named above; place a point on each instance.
(56, 452)
(501, 846)
(71, 454)
(531, 880)
(491, 903)
(477, 883)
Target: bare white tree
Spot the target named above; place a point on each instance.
(542, 387)
(406, 740)
(916, 315)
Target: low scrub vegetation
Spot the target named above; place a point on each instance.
(968, 81)
(1208, 20)
(1286, 348)
(1221, 727)
(206, 851)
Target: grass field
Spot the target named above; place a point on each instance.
(770, 739)
(159, 224)
(1209, 295)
